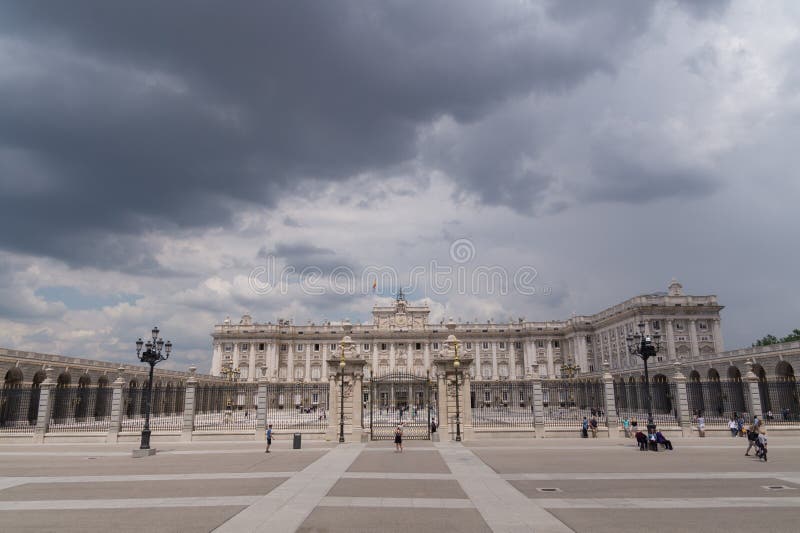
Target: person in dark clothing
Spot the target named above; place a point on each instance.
(641, 439)
(661, 439)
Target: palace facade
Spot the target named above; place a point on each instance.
(402, 338)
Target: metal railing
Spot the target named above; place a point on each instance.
(780, 402)
(631, 402)
(297, 406)
(567, 402)
(169, 416)
(399, 397)
(19, 409)
(507, 404)
(81, 409)
(226, 407)
(718, 401)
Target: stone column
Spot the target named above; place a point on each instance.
(693, 339)
(466, 404)
(261, 408)
(719, 347)
(538, 401)
(357, 398)
(441, 386)
(670, 341)
(324, 360)
(307, 372)
(45, 407)
(251, 370)
(427, 355)
(551, 369)
(392, 355)
(117, 408)
(333, 407)
(290, 365)
(684, 415)
(610, 402)
(495, 375)
(512, 359)
(188, 406)
(751, 380)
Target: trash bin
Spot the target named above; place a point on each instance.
(296, 441)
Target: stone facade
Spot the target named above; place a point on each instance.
(401, 337)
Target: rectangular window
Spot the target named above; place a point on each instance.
(540, 344)
(244, 347)
(505, 396)
(301, 347)
(366, 347)
(316, 372)
(702, 325)
(229, 347)
(315, 398)
(418, 346)
(502, 346)
(435, 345)
(556, 344)
(469, 346)
(485, 345)
(384, 347)
(517, 345)
(679, 326)
(656, 325)
(284, 347)
(316, 347)
(299, 372)
(333, 347)
(487, 396)
(261, 346)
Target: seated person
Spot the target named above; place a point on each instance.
(661, 439)
(641, 440)
(651, 440)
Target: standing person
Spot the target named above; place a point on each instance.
(269, 438)
(585, 428)
(626, 427)
(634, 424)
(701, 425)
(732, 427)
(593, 425)
(761, 444)
(398, 439)
(752, 436)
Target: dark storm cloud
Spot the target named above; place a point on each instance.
(121, 118)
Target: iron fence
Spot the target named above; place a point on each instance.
(506, 404)
(226, 407)
(19, 409)
(718, 401)
(166, 413)
(567, 402)
(296, 406)
(780, 402)
(397, 398)
(80, 409)
(631, 402)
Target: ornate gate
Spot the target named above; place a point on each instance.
(400, 398)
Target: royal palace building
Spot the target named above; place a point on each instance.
(401, 337)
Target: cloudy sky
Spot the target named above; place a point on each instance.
(174, 163)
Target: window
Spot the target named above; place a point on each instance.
(282, 374)
(244, 347)
(284, 347)
(366, 347)
(229, 347)
(502, 346)
(435, 345)
(679, 325)
(656, 325)
(485, 345)
(486, 371)
(315, 398)
(333, 347)
(702, 325)
(261, 346)
(469, 346)
(502, 370)
(540, 344)
(383, 346)
(301, 347)
(299, 372)
(504, 395)
(316, 373)
(418, 346)
(316, 347)
(556, 344)
(487, 396)
(517, 345)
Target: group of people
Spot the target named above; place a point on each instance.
(652, 440)
(589, 425)
(757, 438)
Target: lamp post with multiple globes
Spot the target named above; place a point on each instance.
(155, 351)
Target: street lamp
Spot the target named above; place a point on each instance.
(342, 364)
(155, 352)
(232, 374)
(457, 365)
(645, 347)
(570, 370)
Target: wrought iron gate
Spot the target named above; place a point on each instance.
(400, 398)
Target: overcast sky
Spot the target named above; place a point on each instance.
(157, 157)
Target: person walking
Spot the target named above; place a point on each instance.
(269, 438)
(593, 425)
(752, 437)
(585, 428)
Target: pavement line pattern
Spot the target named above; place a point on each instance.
(286, 507)
(666, 503)
(601, 476)
(503, 507)
(416, 503)
(395, 475)
(128, 503)
(7, 482)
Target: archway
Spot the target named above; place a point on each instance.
(785, 393)
(784, 371)
(61, 403)
(694, 393)
(694, 376)
(734, 374)
(11, 398)
(14, 378)
(713, 375)
(104, 396)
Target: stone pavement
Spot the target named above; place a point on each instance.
(512, 485)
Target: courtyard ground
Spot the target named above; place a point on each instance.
(512, 485)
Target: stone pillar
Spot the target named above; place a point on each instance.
(670, 341)
(333, 408)
(495, 375)
(684, 415)
(357, 398)
(551, 369)
(466, 404)
(261, 408)
(188, 406)
(512, 359)
(693, 340)
(45, 407)
(751, 381)
(251, 370)
(441, 387)
(610, 402)
(427, 355)
(719, 346)
(392, 355)
(290, 363)
(324, 360)
(117, 408)
(538, 401)
(307, 370)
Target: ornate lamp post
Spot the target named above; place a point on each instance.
(232, 374)
(645, 347)
(570, 370)
(342, 364)
(155, 352)
(457, 365)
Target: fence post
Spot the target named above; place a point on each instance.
(45, 407)
(610, 402)
(117, 408)
(684, 415)
(261, 408)
(188, 405)
(755, 394)
(538, 402)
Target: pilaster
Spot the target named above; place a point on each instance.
(684, 416)
(261, 408)
(538, 401)
(612, 420)
(755, 394)
(117, 407)
(45, 407)
(188, 406)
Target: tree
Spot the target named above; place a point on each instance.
(772, 339)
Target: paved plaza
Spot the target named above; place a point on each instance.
(509, 485)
